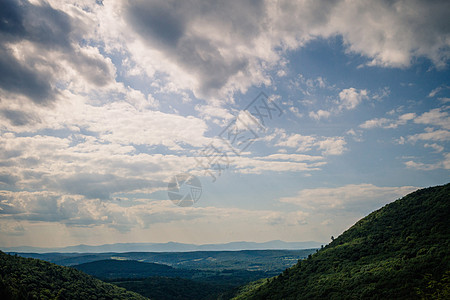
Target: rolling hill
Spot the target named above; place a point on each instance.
(401, 251)
(158, 281)
(108, 269)
(27, 278)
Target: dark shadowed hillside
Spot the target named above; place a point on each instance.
(106, 269)
(27, 278)
(401, 251)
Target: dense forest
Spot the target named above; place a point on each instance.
(163, 282)
(401, 251)
(28, 278)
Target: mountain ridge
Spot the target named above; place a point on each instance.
(29, 278)
(169, 247)
(401, 251)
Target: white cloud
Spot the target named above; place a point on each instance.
(287, 219)
(374, 123)
(277, 163)
(319, 114)
(431, 135)
(292, 157)
(436, 147)
(348, 197)
(432, 117)
(332, 146)
(350, 98)
(84, 165)
(436, 117)
(303, 143)
(435, 91)
(443, 164)
(19, 208)
(210, 111)
(295, 111)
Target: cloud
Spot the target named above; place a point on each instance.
(215, 49)
(388, 123)
(277, 163)
(327, 145)
(352, 197)
(123, 215)
(292, 157)
(191, 36)
(443, 164)
(303, 142)
(287, 219)
(431, 135)
(436, 117)
(83, 165)
(332, 146)
(350, 98)
(46, 206)
(319, 114)
(435, 91)
(436, 147)
(374, 123)
(41, 48)
(295, 111)
(19, 118)
(209, 111)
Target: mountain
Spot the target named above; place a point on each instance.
(107, 269)
(169, 247)
(401, 251)
(158, 281)
(166, 288)
(27, 278)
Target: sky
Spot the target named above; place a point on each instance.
(291, 119)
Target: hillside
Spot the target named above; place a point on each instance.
(27, 278)
(106, 269)
(401, 251)
(163, 282)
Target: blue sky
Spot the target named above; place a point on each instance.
(103, 103)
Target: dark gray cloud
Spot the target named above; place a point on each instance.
(159, 21)
(18, 118)
(7, 180)
(20, 79)
(166, 25)
(100, 186)
(56, 36)
(10, 20)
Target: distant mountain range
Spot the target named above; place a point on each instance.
(170, 247)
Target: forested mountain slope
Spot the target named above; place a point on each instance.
(401, 251)
(28, 278)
